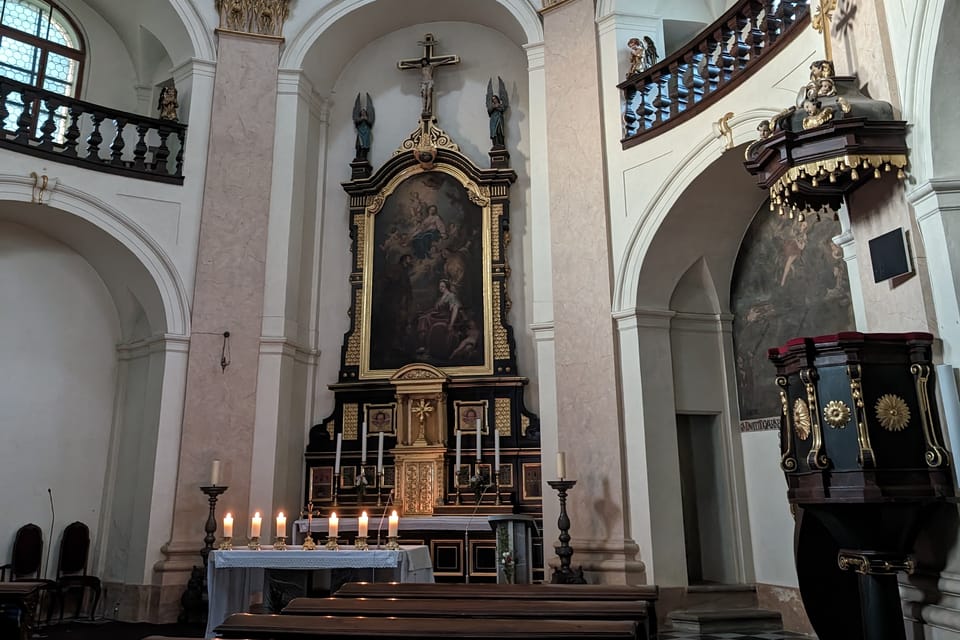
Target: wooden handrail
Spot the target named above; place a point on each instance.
(718, 59)
(51, 124)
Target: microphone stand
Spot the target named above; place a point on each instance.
(466, 533)
(384, 515)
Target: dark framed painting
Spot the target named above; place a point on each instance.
(470, 415)
(427, 274)
(447, 557)
(348, 476)
(321, 484)
(369, 472)
(531, 484)
(380, 418)
(505, 477)
(389, 476)
(483, 558)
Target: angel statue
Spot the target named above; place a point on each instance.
(650, 55)
(363, 118)
(496, 105)
(167, 104)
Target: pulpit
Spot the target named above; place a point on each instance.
(862, 452)
(514, 549)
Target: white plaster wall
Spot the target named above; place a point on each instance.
(460, 96)
(58, 330)
(771, 525)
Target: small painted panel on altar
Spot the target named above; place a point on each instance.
(532, 487)
(389, 477)
(470, 415)
(348, 477)
(381, 418)
(321, 484)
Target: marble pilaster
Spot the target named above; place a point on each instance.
(588, 415)
(220, 404)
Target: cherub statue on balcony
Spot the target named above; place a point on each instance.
(168, 103)
(643, 54)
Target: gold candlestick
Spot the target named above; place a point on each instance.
(361, 543)
(331, 544)
(308, 543)
(392, 543)
(226, 543)
(254, 544)
(280, 544)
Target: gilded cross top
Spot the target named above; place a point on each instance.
(821, 22)
(426, 64)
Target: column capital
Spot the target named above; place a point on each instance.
(261, 18)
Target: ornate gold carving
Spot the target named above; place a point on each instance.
(936, 455)
(419, 483)
(352, 356)
(524, 425)
(360, 221)
(501, 415)
(331, 428)
(816, 459)
(892, 412)
(801, 419)
(875, 565)
(351, 413)
(496, 211)
(433, 138)
(501, 345)
(258, 17)
(420, 374)
(837, 414)
(821, 22)
(866, 457)
(787, 461)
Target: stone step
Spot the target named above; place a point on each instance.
(724, 620)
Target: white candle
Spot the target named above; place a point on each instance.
(457, 465)
(281, 525)
(228, 526)
(392, 525)
(561, 465)
(336, 461)
(380, 454)
(476, 425)
(363, 444)
(496, 451)
(362, 525)
(333, 525)
(215, 473)
(255, 525)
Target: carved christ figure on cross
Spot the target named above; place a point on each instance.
(426, 64)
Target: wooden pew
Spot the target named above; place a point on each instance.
(290, 627)
(647, 593)
(630, 610)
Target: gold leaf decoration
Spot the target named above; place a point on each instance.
(801, 419)
(837, 414)
(892, 412)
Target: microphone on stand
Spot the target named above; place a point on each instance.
(466, 533)
(52, 520)
(383, 515)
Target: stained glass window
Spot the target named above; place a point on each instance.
(39, 46)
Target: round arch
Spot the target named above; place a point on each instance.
(635, 261)
(155, 281)
(516, 18)
(201, 36)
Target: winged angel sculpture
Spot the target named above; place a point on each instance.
(496, 105)
(363, 118)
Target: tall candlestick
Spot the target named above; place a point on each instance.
(215, 473)
(228, 525)
(363, 444)
(333, 526)
(255, 525)
(281, 525)
(496, 451)
(476, 425)
(380, 454)
(392, 525)
(362, 525)
(336, 461)
(457, 467)
(561, 465)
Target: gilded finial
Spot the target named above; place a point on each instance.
(822, 20)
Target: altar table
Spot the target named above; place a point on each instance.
(235, 576)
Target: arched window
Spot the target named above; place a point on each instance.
(39, 46)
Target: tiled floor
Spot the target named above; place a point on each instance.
(765, 635)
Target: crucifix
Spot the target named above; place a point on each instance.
(821, 22)
(426, 64)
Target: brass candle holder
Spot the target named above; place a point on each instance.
(280, 544)
(309, 512)
(392, 543)
(254, 544)
(361, 543)
(308, 543)
(226, 543)
(331, 544)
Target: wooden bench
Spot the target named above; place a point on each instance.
(25, 596)
(288, 627)
(647, 593)
(630, 610)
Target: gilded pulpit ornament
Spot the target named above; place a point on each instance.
(801, 419)
(837, 414)
(821, 22)
(892, 412)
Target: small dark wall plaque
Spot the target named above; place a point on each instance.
(889, 255)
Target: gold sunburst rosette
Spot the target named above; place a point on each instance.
(892, 412)
(837, 414)
(801, 419)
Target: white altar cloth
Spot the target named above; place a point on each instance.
(234, 576)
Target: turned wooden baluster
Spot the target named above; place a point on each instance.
(756, 38)
(673, 89)
(709, 70)
(73, 132)
(659, 102)
(140, 150)
(692, 81)
(162, 153)
(724, 60)
(645, 110)
(49, 126)
(182, 138)
(116, 147)
(773, 22)
(95, 138)
(25, 121)
(4, 112)
(740, 49)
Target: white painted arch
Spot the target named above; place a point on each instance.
(168, 305)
